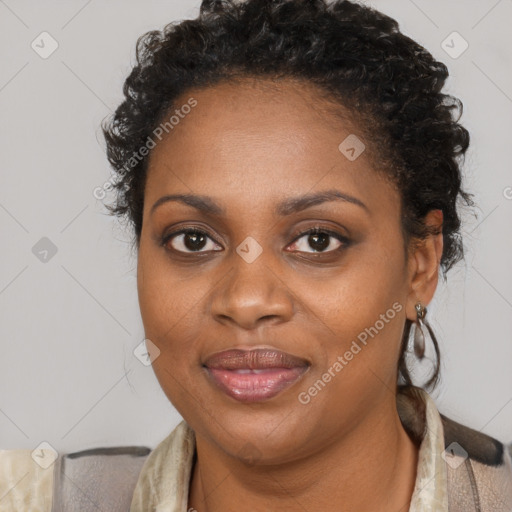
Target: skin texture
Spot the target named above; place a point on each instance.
(249, 146)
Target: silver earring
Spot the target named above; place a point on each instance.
(419, 330)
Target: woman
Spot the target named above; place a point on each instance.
(291, 170)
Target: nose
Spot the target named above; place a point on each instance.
(251, 294)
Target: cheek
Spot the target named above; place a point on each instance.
(164, 298)
(361, 344)
(169, 309)
(365, 306)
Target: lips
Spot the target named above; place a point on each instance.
(254, 375)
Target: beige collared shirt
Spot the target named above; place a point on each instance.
(163, 483)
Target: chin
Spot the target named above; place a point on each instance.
(258, 435)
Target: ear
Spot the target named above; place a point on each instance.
(423, 265)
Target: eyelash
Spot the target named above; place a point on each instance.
(297, 236)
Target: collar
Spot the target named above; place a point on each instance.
(420, 417)
(163, 483)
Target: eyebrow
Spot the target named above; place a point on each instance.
(291, 205)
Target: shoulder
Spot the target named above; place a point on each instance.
(42, 481)
(480, 447)
(84, 479)
(172, 457)
(26, 480)
(478, 466)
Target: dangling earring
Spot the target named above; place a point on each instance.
(419, 332)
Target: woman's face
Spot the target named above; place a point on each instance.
(335, 304)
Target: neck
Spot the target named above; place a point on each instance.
(371, 468)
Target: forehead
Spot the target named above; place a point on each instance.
(255, 139)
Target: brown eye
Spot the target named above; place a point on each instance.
(190, 241)
(320, 240)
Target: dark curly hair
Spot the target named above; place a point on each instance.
(358, 58)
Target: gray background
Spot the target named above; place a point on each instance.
(69, 324)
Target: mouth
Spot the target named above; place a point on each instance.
(254, 375)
